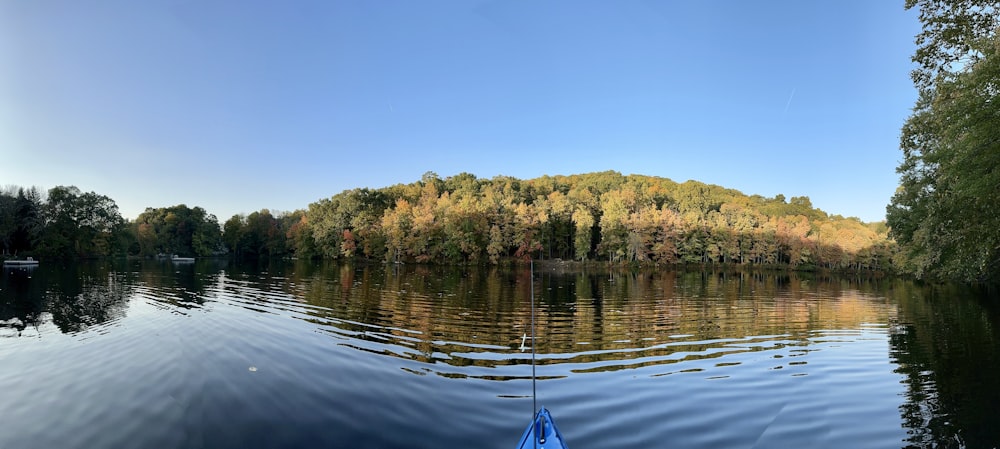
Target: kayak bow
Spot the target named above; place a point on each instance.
(542, 433)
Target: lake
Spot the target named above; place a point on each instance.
(221, 355)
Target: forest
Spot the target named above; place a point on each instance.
(463, 219)
(598, 216)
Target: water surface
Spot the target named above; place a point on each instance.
(210, 354)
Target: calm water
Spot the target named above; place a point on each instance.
(210, 354)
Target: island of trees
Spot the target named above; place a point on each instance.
(463, 219)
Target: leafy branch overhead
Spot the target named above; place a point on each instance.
(952, 33)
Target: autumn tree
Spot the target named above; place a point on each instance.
(397, 224)
(626, 219)
(583, 221)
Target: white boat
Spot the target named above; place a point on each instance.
(175, 258)
(29, 262)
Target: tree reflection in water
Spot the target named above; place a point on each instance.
(461, 322)
(947, 347)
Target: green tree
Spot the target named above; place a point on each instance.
(557, 230)
(232, 234)
(943, 213)
(8, 221)
(79, 224)
(178, 230)
(952, 37)
(29, 218)
(259, 235)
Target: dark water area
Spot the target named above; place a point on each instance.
(220, 355)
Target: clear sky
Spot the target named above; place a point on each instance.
(237, 105)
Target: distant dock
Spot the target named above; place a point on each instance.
(29, 262)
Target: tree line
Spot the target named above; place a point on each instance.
(65, 223)
(598, 216)
(463, 219)
(60, 223)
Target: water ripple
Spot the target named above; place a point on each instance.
(315, 356)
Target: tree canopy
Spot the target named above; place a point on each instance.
(595, 216)
(943, 214)
(181, 230)
(68, 223)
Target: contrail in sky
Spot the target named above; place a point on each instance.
(788, 103)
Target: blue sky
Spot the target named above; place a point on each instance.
(236, 106)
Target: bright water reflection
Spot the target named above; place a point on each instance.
(217, 355)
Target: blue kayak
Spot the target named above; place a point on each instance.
(542, 433)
